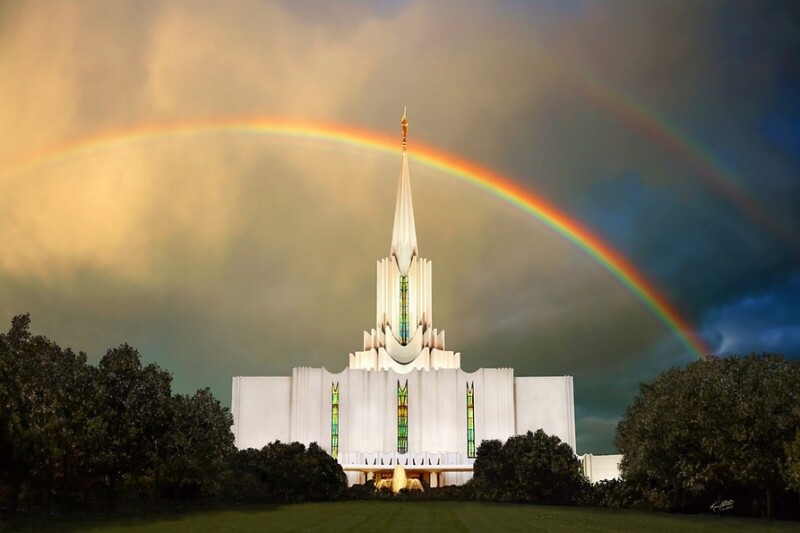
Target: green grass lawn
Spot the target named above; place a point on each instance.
(400, 516)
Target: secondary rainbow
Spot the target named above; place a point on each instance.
(661, 131)
(481, 177)
(700, 159)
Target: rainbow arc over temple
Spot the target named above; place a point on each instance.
(486, 179)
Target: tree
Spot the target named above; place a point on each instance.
(45, 405)
(492, 473)
(792, 466)
(135, 413)
(199, 445)
(534, 467)
(286, 472)
(67, 428)
(326, 479)
(716, 426)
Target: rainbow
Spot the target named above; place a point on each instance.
(699, 159)
(474, 174)
(660, 130)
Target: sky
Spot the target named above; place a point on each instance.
(669, 129)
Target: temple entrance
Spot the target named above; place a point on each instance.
(428, 476)
(400, 480)
(423, 477)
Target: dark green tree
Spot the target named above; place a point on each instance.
(135, 414)
(326, 479)
(493, 474)
(286, 472)
(45, 424)
(792, 466)
(534, 467)
(199, 445)
(716, 426)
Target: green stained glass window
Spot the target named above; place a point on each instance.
(402, 418)
(335, 420)
(471, 419)
(404, 310)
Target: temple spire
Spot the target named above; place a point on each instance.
(404, 234)
(404, 124)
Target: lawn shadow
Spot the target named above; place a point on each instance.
(70, 521)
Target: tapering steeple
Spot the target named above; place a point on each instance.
(404, 234)
(404, 338)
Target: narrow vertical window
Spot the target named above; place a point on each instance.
(471, 420)
(402, 418)
(335, 420)
(404, 310)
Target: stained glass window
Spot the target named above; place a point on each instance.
(402, 418)
(471, 420)
(403, 310)
(335, 420)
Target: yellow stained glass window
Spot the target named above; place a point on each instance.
(335, 420)
(471, 420)
(404, 330)
(402, 418)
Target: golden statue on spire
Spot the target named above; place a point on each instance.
(404, 123)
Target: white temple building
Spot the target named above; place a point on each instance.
(403, 398)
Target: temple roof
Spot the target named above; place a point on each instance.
(404, 234)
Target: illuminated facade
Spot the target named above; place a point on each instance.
(403, 399)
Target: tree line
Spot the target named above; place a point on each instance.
(75, 435)
(79, 436)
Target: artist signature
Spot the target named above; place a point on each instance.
(724, 505)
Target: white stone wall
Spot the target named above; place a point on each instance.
(437, 409)
(298, 408)
(546, 403)
(601, 467)
(261, 408)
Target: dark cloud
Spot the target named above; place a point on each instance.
(231, 254)
(764, 321)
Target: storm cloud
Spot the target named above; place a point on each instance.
(223, 254)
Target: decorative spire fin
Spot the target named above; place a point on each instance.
(404, 123)
(404, 233)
